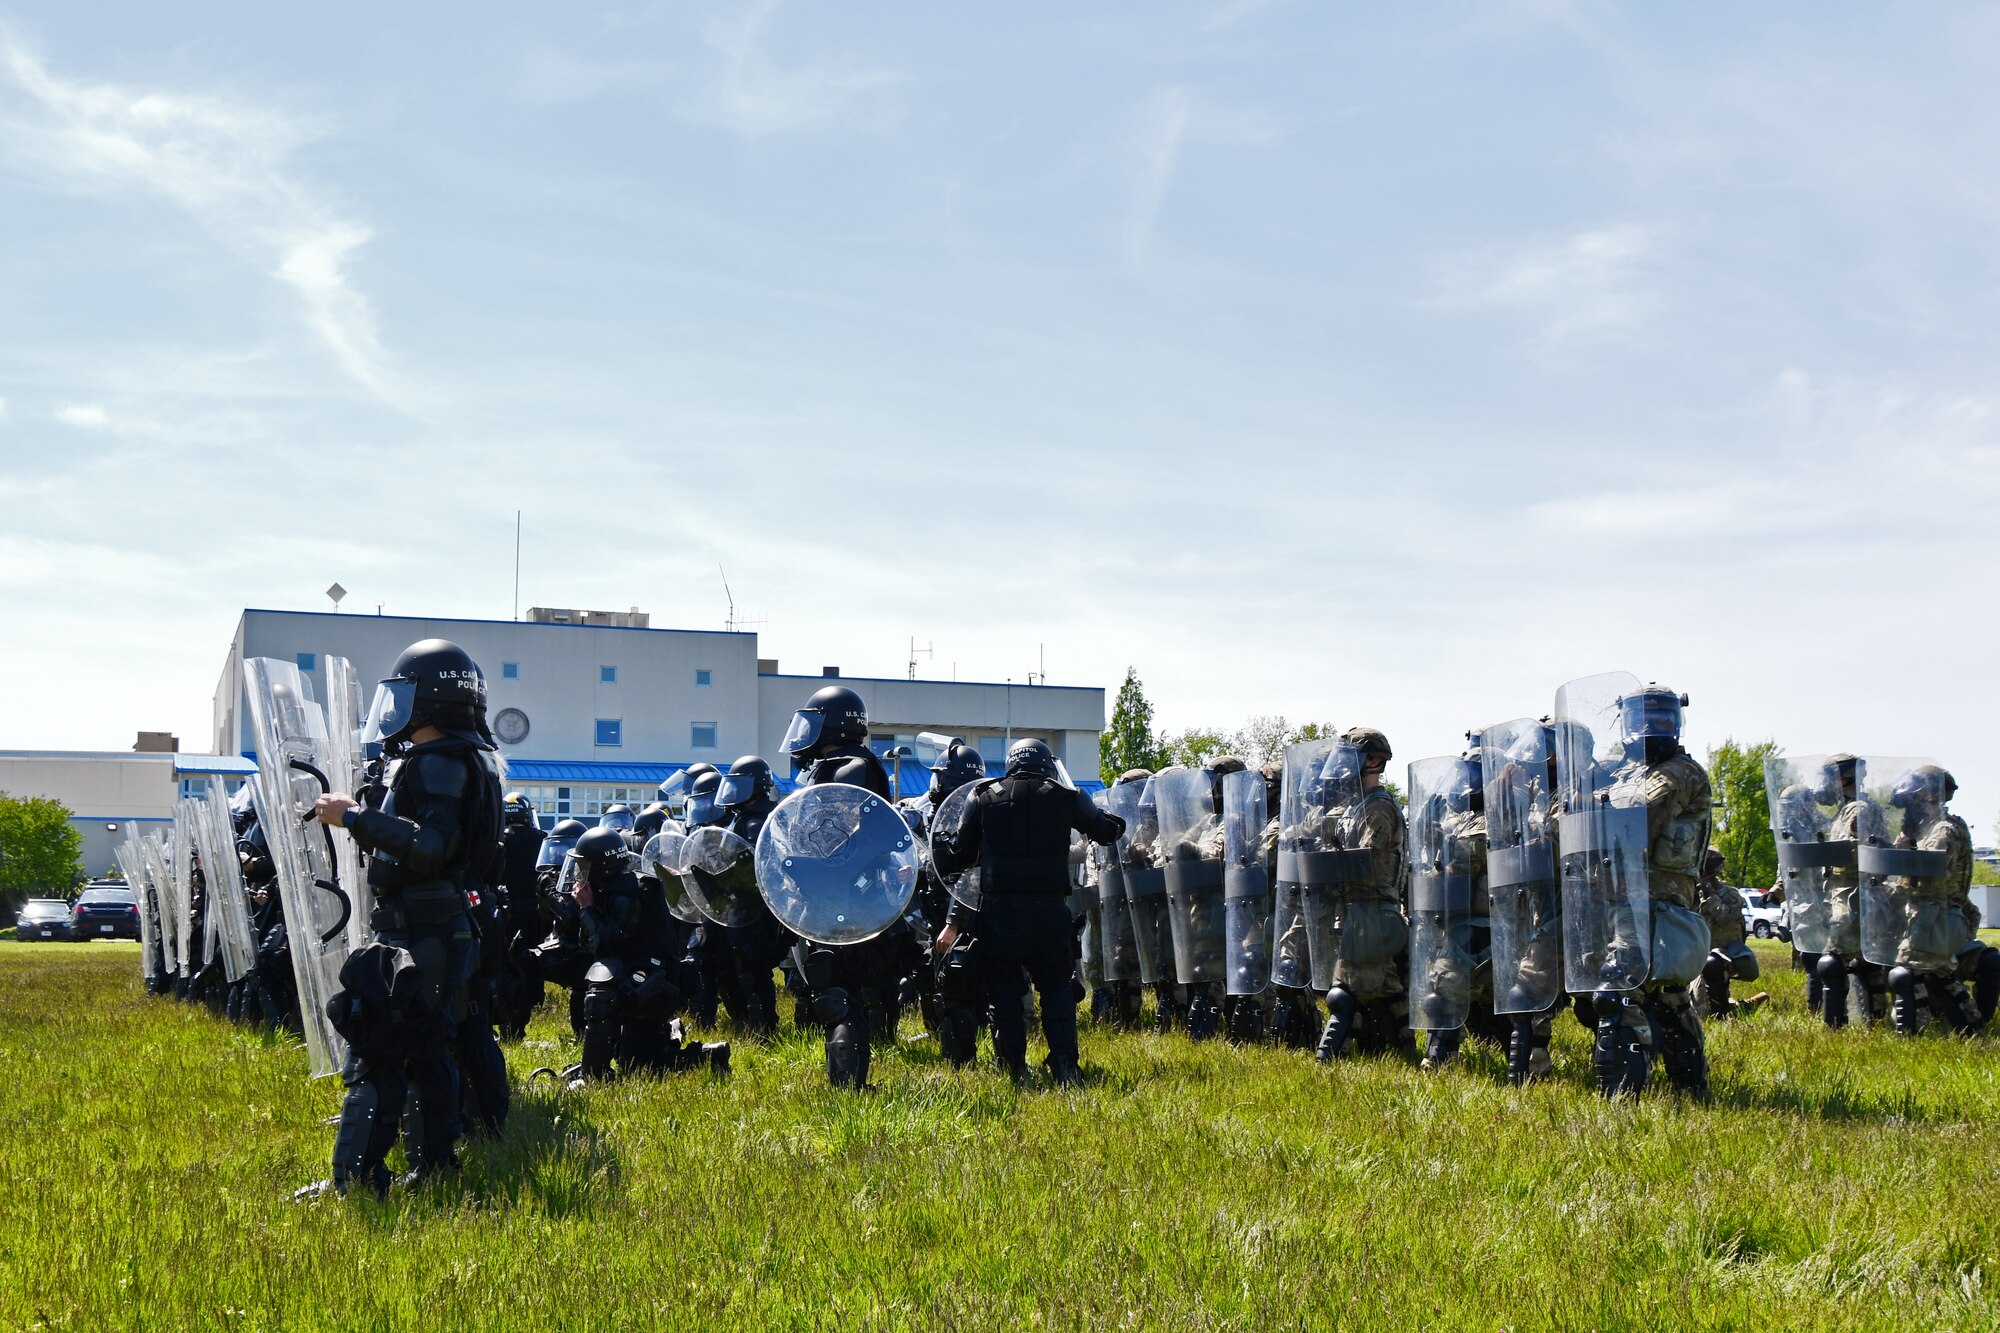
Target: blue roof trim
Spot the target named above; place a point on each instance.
(824, 681)
(213, 763)
(553, 770)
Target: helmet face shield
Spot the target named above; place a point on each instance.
(553, 851)
(391, 712)
(736, 788)
(701, 809)
(1651, 714)
(804, 733)
(620, 819)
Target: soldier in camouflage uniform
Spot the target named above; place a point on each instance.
(1520, 816)
(1858, 821)
(1458, 979)
(1672, 788)
(1721, 904)
(1933, 896)
(1191, 847)
(1367, 1003)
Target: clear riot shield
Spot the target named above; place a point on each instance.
(836, 864)
(180, 864)
(661, 858)
(1090, 942)
(718, 871)
(289, 733)
(1607, 905)
(1804, 795)
(132, 865)
(1440, 903)
(943, 830)
(154, 852)
(1118, 951)
(1246, 884)
(1300, 805)
(1145, 882)
(1516, 761)
(1896, 926)
(346, 771)
(1188, 802)
(228, 908)
(1322, 790)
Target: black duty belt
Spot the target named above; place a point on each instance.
(1336, 867)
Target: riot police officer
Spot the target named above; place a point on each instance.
(751, 949)
(434, 837)
(949, 987)
(521, 922)
(853, 987)
(630, 997)
(1017, 832)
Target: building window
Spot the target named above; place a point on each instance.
(607, 675)
(993, 749)
(703, 676)
(308, 661)
(510, 671)
(701, 735)
(609, 731)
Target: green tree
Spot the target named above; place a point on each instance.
(1191, 747)
(1130, 741)
(1261, 739)
(1312, 731)
(39, 848)
(1743, 816)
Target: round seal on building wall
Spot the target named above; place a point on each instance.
(510, 726)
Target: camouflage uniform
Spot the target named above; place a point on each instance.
(1460, 974)
(1722, 905)
(1935, 932)
(1368, 1001)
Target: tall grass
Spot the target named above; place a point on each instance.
(1838, 1180)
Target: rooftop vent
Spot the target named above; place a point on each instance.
(157, 742)
(563, 615)
(829, 671)
(767, 666)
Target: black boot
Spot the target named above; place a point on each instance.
(1683, 1050)
(847, 1050)
(1341, 1007)
(1830, 972)
(1521, 1047)
(1620, 1055)
(1204, 1016)
(1907, 1010)
(1986, 985)
(1167, 1014)
(1441, 1046)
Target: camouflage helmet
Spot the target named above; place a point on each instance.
(1712, 863)
(1224, 763)
(1927, 783)
(1134, 775)
(1839, 773)
(1372, 743)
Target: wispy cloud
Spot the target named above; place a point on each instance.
(84, 416)
(1169, 121)
(756, 96)
(1595, 285)
(226, 163)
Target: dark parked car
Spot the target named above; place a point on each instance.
(42, 919)
(108, 912)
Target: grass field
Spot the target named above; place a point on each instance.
(1839, 1180)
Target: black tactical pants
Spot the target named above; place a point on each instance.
(1030, 933)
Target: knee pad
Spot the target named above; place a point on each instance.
(1831, 968)
(816, 969)
(600, 1006)
(832, 1005)
(1744, 966)
(1902, 981)
(1716, 970)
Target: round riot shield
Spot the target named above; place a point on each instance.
(1516, 760)
(718, 871)
(1246, 886)
(1602, 833)
(1188, 802)
(1446, 856)
(946, 825)
(836, 864)
(1901, 923)
(661, 859)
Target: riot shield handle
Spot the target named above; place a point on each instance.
(331, 886)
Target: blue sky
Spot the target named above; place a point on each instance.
(1381, 364)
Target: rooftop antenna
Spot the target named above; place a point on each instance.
(336, 592)
(735, 623)
(914, 650)
(1041, 675)
(517, 564)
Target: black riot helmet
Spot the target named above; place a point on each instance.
(678, 785)
(957, 765)
(834, 716)
(434, 683)
(649, 821)
(748, 779)
(519, 809)
(561, 838)
(619, 817)
(1031, 758)
(701, 807)
(1649, 722)
(603, 853)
